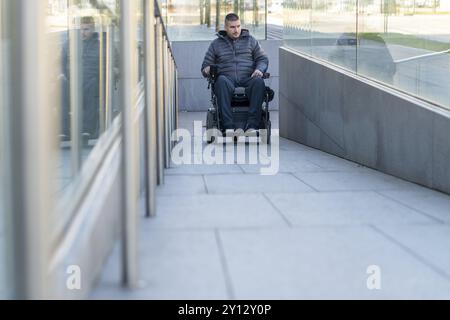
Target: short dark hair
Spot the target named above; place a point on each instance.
(87, 20)
(231, 17)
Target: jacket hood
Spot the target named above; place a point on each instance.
(223, 33)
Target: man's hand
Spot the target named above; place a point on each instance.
(207, 70)
(257, 74)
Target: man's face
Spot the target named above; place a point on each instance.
(87, 30)
(233, 29)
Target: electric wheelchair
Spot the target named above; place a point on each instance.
(239, 105)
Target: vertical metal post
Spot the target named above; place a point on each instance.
(173, 97)
(7, 241)
(76, 92)
(31, 163)
(357, 36)
(129, 150)
(168, 108)
(266, 16)
(160, 100)
(110, 76)
(166, 105)
(150, 108)
(176, 98)
(172, 128)
(103, 73)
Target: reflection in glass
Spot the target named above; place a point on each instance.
(83, 43)
(375, 59)
(201, 19)
(333, 28)
(297, 24)
(406, 44)
(402, 43)
(58, 33)
(83, 47)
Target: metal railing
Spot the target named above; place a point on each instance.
(422, 56)
(35, 245)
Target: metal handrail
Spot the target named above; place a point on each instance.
(158, 15)
(422, 56)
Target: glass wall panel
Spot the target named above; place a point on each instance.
(85, 72)
(374, 55)
(201, 19)
(401, 43)
(3, 132)
(406, 44)
(333, 31)
(297, 24)
(58, 35)
(274, 23)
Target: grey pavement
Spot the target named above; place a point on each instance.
(317, 229)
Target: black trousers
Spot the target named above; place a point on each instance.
(91, 121)
(254, 89)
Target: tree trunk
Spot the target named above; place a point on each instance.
(202, 8)
(236, 6)
(242, 11)
(218, 5)
(208, 13)
(255, 13)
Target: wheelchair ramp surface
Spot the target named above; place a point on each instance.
(321, 228)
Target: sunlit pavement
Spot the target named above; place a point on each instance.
(323, 227)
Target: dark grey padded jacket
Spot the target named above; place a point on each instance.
(236, 59)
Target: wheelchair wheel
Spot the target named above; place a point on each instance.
(210, 124)
(265, 138)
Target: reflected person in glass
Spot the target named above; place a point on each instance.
(373, 60)
(90, 68)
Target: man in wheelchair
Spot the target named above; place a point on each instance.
(241, 63)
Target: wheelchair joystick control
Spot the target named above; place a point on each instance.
(213, 71)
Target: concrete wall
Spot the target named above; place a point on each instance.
(91, 237)
(343, 114)
(89, 241)
(193, 88)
